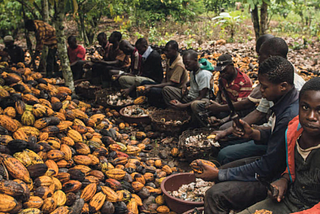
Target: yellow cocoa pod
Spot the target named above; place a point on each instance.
(61, 210)
(60, 197)
(67, 151)
(82, 160)
(139, 100)
(74, 135)
(49, 205)
(88, 192)
(33, 202)
(97, 202)
(111, 195)
(117, 174)
(159, 200)
(133, 206)
(8, 123)
(7, 203)
(163, 209)
(16, 168)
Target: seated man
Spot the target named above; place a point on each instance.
(14, 51)
(198, 94)
(76, 54)
(151, 68)
(176, 75)
(237, 84)
(246, 103)
(113, 61)
(238, 187)
(136, 58)
(236, 149)
(299, 187)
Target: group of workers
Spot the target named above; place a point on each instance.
(276, 145)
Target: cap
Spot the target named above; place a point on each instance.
(8, 39)
(223, 61)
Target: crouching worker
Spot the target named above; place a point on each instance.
(176, 75)
(198, 94)
(113, 61)
(14, 51)
(237, 187)
(299, 187)
(237, 84)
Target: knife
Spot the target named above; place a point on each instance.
(233, 115)
(267, 184)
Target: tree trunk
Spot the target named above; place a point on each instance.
(83, 28)
(263, 19)
(62, 47)
(255, 21)
(29, 44)
(45, 16)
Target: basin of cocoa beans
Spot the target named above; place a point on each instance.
(173, 183)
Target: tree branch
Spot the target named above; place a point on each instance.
(31, 10)
(83, 2)
(38, 8)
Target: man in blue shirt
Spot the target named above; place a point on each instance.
(237, 187)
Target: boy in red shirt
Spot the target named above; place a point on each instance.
(76, 54)
(237, 84)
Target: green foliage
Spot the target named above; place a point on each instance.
(153, 34)
(89, 15)
(215, 5)
(228, 21)
(8, 24)
(296, 17)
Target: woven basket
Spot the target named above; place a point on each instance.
(192, 151)
(169, 120)
(87, 92)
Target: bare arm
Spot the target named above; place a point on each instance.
(202, 94)
(252, 118)
(239, 106)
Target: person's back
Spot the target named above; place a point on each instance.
(45, 35)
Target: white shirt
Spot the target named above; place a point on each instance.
(198, 82)
(146, 54)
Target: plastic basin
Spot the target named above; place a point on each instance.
(134, 119)
(174, 182)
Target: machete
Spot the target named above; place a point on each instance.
(233, 115)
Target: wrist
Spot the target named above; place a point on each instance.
(285, 178)
(255, 134)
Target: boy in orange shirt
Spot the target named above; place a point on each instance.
(298, 190)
